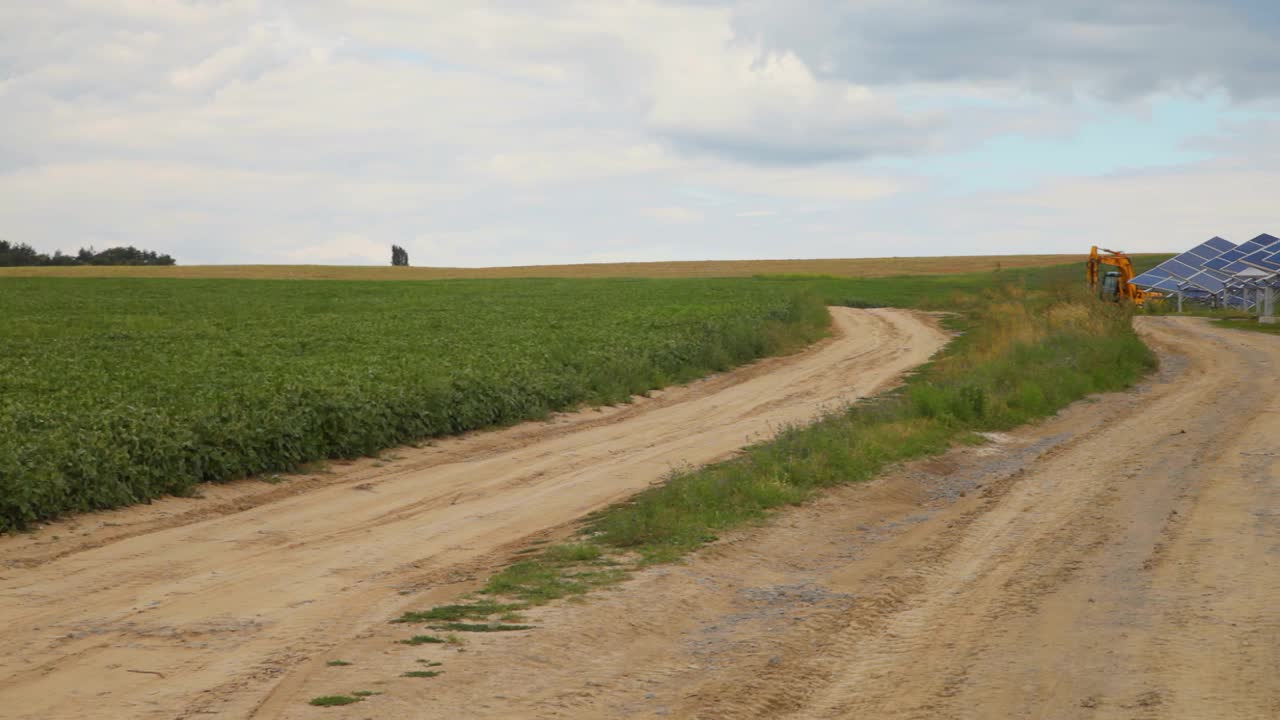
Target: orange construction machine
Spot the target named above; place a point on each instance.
(1113, 285)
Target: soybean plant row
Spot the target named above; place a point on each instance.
(117, 391)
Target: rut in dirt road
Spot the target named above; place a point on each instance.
(186, 608)
(1121, 560)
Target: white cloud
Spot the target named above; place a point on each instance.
(342, 250)
(504, 132)
(673, 214)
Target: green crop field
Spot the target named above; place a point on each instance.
(116, 391)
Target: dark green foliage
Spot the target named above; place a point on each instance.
(422, 673)
(118, 391)
(19, 255)
(399, 256)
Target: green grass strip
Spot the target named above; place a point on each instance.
(333, 700)
(1027, 349)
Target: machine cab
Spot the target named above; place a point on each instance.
(1109, 288)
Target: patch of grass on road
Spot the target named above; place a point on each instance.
(333, 700)
(481, 627)
(424, 640)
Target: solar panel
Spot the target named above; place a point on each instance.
(1206, 281)
(1178, 267)
(1165, 284)
(1185, 265)
(1222, 260)
(1221, 245)
(1150, 277)
(1261, 259)
(1202, 252)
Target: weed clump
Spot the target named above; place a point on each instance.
(333, 700)
(422, 640)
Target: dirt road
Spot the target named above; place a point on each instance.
(1121, 560)
(201, 606)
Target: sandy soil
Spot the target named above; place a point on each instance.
(204, 606)
(842, 267)
(1121, 560)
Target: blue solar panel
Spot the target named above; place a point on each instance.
(1235, 267)
(1261, 259)
(1206, 281)
(1201, 253)
(1188, 263)
(1178, 268)
(1221, 261)
(1266, 240)
(1166, 284)
(1151, 277)
(1220, 244)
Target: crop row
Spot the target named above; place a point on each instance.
(115, 392)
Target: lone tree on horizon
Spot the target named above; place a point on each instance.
(399, 257)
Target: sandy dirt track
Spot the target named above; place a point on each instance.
(1121, 560)
(201, 607)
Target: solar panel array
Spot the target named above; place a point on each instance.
(1217, 269)
(1170, 274)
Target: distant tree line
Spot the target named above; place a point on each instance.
(21, 254)
(399, 257)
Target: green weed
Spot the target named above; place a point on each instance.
(474, 611)
(481, 627)
(333, 700)
(423, 640)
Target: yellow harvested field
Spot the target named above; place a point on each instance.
(853, 267)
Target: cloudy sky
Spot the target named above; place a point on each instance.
(541, 131)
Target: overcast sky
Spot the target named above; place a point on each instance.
(530, 132)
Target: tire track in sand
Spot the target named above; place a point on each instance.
(1120, 560)
(225, 604)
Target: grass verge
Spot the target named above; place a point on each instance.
(1250, 324)
(1028, 346)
